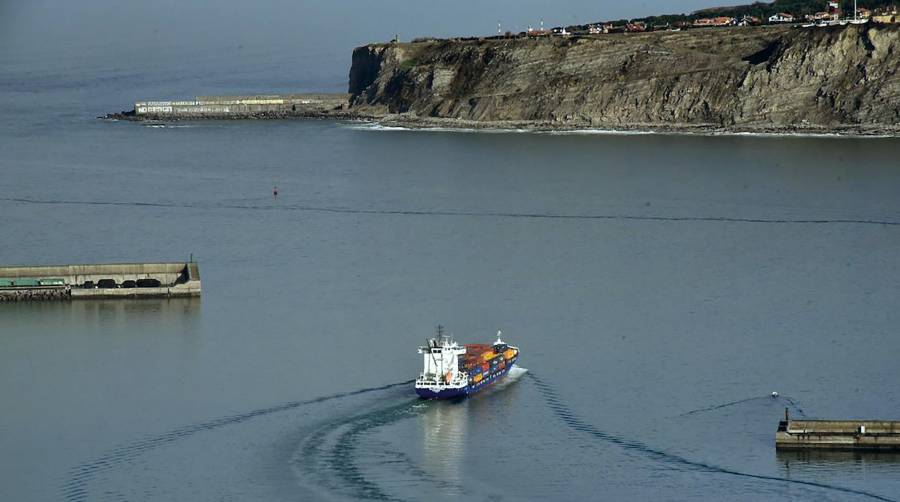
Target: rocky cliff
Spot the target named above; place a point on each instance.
(839, 79)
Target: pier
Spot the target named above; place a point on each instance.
(241, 107)
(877, 435)
(76, 282)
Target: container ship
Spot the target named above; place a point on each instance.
(453, 371)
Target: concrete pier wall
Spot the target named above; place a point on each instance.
(881, 435)
(81, 281)
(285, 105)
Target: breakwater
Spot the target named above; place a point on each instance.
(276, 106)
(73, 282)
(882, 435)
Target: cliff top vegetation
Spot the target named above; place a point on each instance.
(760, 10)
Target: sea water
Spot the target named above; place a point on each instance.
(660, 288)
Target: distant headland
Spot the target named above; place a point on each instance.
(831, 75)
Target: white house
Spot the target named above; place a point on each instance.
(781, 17)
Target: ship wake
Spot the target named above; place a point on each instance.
(572, 420)
(344, 457)
(330, 458)
(81, 479)
(327, 459)
(460, 213)
(792, 403)
(334, 451)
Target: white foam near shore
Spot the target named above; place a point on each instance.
(601, 132)
(169, 126)
(747, 134)
(832, 135)
(375, 126)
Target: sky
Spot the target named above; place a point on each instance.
(91, 23)
(317, 34)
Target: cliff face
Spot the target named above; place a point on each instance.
(841, 78)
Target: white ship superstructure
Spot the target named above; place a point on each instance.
(441, 372)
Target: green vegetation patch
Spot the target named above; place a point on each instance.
(409, 64)
(761, 10)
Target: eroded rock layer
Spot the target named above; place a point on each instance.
(839, 79)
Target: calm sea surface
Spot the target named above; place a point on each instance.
(660, 288)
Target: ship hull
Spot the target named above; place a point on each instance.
(470, 389)
(442, 394)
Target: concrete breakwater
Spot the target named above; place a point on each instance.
(277, 106)
(879, 435)
(72, 282)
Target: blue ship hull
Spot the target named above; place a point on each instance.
(468, 389)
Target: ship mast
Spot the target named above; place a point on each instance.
(440, 333)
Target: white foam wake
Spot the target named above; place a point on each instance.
(516, 372)
(512, 376)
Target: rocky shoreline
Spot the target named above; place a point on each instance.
(435, 123)
(648, 128)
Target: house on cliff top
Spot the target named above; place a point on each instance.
(781, 17)
(715, 21)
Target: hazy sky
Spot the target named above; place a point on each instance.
(317, 35)
(91, 23)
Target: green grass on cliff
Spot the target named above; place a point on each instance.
(762, 10)
(795, 7)
(408, 64)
